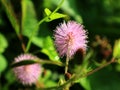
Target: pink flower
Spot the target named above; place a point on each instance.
(69, 37)
(27, 74)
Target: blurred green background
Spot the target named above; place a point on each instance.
(101, 19)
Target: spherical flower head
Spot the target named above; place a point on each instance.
(27, 74)
(69, 37)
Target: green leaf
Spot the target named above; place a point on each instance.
(53, 16)
(9, 77)
(69, 6)
(11, 15)
(50, 83)
(41, 37)
(85, 83)
(38, 41)
(116, 49)
(49, 49)
(25, 62)
(47, 79)
(3, 43)
(3, 63)
(40, 61)
(29, 21)
(117, 66)
(47, 11)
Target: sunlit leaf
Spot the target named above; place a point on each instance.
(3, 43)
(29, 21)
(49, 49)
(47, 11)
(38, 41)
(3, 63)
(53, 16)
(50, 83)
(85, 83)
(118, 66)
(116, 49)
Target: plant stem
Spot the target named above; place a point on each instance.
(61, 87)
(41, 21)
(33, 33)
(22, 42)
(77, 76)
(41, 61)
(58, 7)
(67, 62)
(95, 70)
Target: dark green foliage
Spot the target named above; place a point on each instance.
(20, 19)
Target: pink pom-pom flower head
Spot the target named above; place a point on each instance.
(27, 74)
(69, 37)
